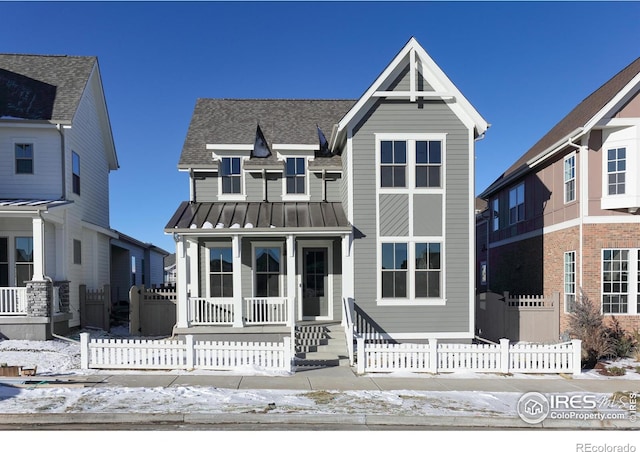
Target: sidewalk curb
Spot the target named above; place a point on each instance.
(213, 419)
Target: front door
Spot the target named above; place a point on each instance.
(315, 283)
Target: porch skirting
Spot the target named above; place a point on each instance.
(33, 328)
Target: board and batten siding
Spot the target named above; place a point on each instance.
(397, 117)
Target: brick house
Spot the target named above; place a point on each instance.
(564, 217)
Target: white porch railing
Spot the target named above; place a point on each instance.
(211, 311)
(503, 358)
(266, 311)
(13, 300)
(236, 312)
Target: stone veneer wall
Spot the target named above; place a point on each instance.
(39, 296)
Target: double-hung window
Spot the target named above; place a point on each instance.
(24, 260)
(569, 281)
(267, 266)
(296, 175)
(495, 214)
(220, 272)
(393, 164)
(428, 163)
(231, 173)
(75, 163)
(24, 158)
(615, 281)
(570, 178)
(428, 270)
(394, 270)
(516, 204)
(616, 170)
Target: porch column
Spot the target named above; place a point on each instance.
(348, 288)
(291, 278)
(38, 249)
(182, 298)
(236, 246)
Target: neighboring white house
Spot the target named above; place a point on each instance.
(57, 150)
(284, 224)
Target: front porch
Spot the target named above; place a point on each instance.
(240, 277)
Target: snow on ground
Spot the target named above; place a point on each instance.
(60, 358)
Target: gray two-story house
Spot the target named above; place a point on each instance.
(300, 208)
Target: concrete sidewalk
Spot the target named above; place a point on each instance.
(331, 379)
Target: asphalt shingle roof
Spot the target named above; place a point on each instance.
(234, 121)
(42, 87)
(578, 117)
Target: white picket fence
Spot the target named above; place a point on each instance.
(499, 358)
(140, 354)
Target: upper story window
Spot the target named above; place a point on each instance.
(76, 172)
(570, 178)
(393, 164)
(428, 163)
(231, 175)
(495, 214)
(616, 170)
(24, 158)
(296, 175)
(516, 204)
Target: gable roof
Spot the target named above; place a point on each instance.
(579, 120)
(43, 87)
(414, 55)
(233, 121)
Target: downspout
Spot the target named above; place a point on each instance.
(583, 197)
(63, 162)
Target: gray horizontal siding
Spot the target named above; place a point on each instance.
(403, 117)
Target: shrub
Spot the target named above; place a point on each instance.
(587, 324)
(616, 371)
(624, 344)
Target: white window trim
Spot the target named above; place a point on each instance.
(242, 154)
(308, 157)
(564, 279)
(574, 179)
(524, 203)
(281, 279)
(34, 144)
(410, 239)
(411, 139)
(411, 300)
(632, 282)
(626, 136)
(207, 282)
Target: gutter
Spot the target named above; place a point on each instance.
(533, 162)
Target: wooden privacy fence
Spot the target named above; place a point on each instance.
(503, 358)
(531, 318)
(95, 307)
(152, 311)
(187, 355)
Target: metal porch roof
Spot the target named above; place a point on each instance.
(258, 216)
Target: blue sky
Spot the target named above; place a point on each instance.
(523, 65)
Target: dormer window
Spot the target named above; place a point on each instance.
(296, 175)
(231, 174)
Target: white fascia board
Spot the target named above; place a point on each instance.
(622, 96)
(295, 147)
(439, 81)
(229, 147)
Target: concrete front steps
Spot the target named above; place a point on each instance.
(320, 345)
